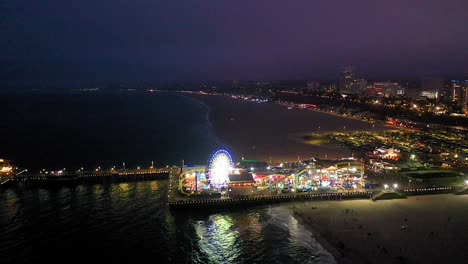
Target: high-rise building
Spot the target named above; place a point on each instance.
(346, 80)
(313, 86)
(455, 87)
(349, 84)
(459, 93)
(462, 99)
(359, 86)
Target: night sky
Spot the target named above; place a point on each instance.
(225, 40)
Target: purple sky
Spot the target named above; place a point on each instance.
(199, 40)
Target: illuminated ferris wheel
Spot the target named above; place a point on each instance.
(219, 167)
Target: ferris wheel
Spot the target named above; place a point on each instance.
(219, 167)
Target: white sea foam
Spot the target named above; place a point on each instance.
(281, 217)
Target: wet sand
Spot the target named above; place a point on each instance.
(263, 130)
(419, 229)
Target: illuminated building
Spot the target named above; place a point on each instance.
(459, 92)
(5, 166)
(429, 94)
(384, 153)
(456, 87)
(241, 180)
(330, 87)
(359, 86)
(431, 87)
(349, 84)
(463, 100)
(385, 89)
(346, 80)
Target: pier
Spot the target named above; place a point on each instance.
(187, 202)
(177, 200)
(4, 182)
(219, 184)
(81, 176)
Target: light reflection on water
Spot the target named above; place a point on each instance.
(217, 239)
(111, 220)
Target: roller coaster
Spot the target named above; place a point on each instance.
(184, 176)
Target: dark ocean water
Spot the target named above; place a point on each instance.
(73, 131)
(128, 222)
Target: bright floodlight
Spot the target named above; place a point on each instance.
(219, 167)
(395, 186)
(385, 186)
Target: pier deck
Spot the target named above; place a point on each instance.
(176, 200)
(89, 176)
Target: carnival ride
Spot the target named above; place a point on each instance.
(214, 176)
(220, 165)
(190, 175)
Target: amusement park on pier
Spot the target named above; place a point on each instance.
(222, 175)
(224, 179)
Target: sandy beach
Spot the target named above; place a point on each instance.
(267, 130)
(419, 229)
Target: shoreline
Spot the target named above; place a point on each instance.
(269, 131)
(327, 245)
(352, 230)
(376, 122)
(335, 114)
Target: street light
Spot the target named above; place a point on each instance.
(395, 186)
(385, 186)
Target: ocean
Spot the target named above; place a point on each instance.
(123, 222)
(90, 131)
